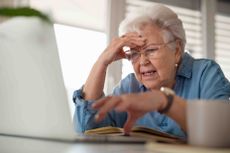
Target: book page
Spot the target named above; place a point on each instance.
(105, 130)
(139, 131)
(151, 131)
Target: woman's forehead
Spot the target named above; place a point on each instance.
(152, 33)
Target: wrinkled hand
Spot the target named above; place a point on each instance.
(136, 105)
(114, 51)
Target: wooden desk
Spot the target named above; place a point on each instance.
(27, 145)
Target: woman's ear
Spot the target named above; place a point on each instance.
(178, 52)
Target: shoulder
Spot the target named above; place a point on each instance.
(128, 85)
(203, 64)
(212, 82)
(191, 67)
(207, 69)
(204, 70)
(130, 78)
(202, 78)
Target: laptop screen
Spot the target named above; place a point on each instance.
(33, 99)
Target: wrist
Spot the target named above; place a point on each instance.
(169, 95)
(163, 101)
(103, 60)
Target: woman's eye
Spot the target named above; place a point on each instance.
(134, 54)
(131, 55)
(150, 50)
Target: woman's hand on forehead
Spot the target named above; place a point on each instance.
(135, 37)
(132, 34)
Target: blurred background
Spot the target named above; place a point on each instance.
(83, 28)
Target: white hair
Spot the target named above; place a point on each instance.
(160, 15)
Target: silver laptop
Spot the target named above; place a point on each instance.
(33, 99)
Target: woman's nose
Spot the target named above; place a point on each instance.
(144, 60)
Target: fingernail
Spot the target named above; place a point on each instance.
(96, 117)
(93, 105)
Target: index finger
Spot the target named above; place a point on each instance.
(107, 106)
(97, 104)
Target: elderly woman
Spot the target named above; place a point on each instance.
(165, 78)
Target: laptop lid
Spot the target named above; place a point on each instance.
(33, 100)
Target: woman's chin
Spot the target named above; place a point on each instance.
(152, 84)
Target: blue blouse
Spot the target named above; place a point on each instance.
(195, 79)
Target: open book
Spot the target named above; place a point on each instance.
(148, 134)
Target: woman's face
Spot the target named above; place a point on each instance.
(157, 70)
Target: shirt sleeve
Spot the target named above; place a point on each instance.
(213, 83)
(84, 114)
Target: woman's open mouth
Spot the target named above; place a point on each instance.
(149, 74)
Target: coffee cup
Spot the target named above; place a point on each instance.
(208, 123)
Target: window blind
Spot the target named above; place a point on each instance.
(222, 37)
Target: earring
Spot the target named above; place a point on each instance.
(176, 65)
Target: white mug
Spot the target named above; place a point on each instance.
(208, 123)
